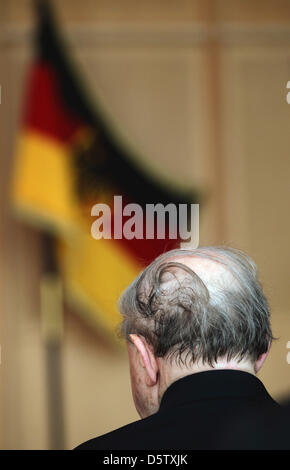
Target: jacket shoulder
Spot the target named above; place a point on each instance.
(122, 438)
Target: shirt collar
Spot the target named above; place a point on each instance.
(211, 385)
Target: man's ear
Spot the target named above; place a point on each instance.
(147, 357)
(260, 361)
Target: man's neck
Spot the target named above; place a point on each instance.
(170, 373)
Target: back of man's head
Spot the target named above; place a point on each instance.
(199, 306)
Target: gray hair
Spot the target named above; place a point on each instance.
(184, 317)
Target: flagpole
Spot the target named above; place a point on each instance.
(52, 331)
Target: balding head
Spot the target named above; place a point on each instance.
(198, 306)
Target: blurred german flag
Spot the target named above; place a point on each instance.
(68, 159)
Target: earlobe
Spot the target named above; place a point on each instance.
(147, 357)
(260, 361)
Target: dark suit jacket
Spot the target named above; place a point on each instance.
(194, 413)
